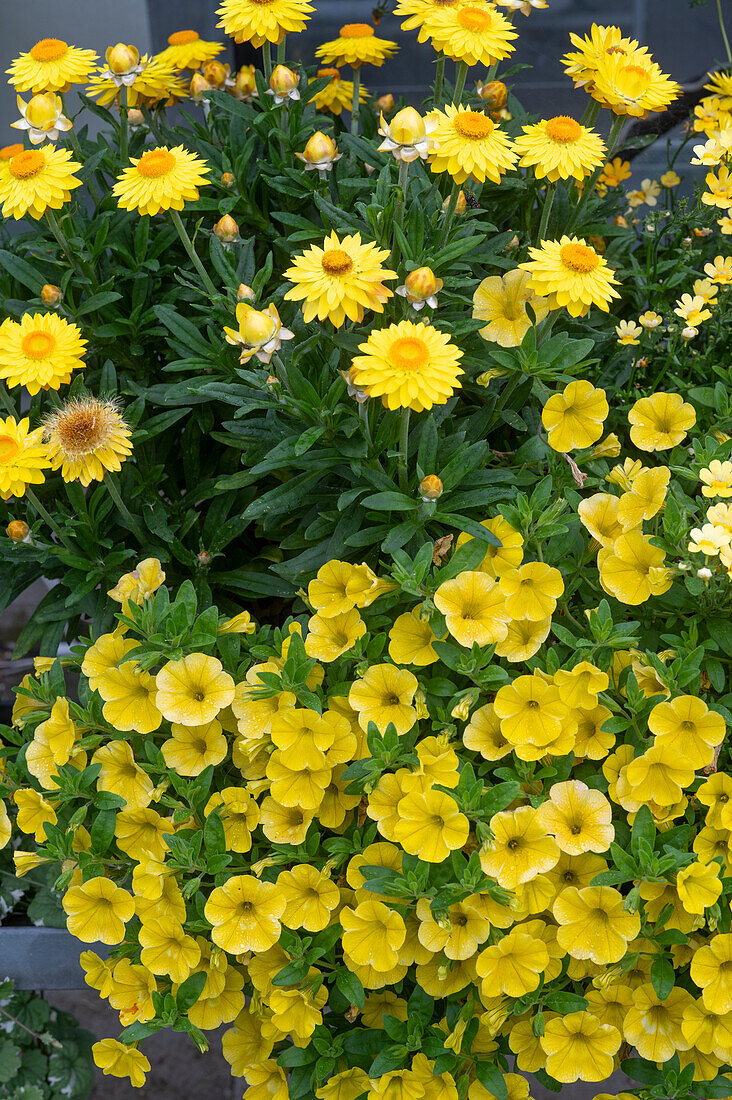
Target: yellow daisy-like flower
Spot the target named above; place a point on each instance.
(51, 66)
(575, 417)
(40, 352)
(632, 84)
(469, 144)
(187, 50)
(661, 421)
(409, 366)
(155, 81)
(581, 64)
(501, 300)
(560, 148)
(337, 93)
(86, 438)
(357, 45)
(37, 180)
(23, 458)
(161, 179)
(475, 33)
(572, 275)
(257, 22)
(341, 279)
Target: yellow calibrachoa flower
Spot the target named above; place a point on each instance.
(593, 923)
(654, 1027)
(129, 698)
(698, 886)
(574, 418)
(514, 965)
(580, 1048)
(687, 725)
(193, 690)
(98, 910)
(579, 819)
(119, 774)
(645, 498)
(474, 607)
(161, 179)
(520, 848)
(410, 640)
(468, 145)
(560, 148)
(329, 637)
(372, 934)
(477, 34)
(51, 66)
(502, 301)
(383, 695)
(408, 365)
(503, 558)
(87, 438)
(356, 45)
(41, 351)
(660, 774)
(245, 914)
(632, 569)
(117, 1059)
(190, 749)
(711, 970)
(37, 180)
(23, 458)
(532, 590)
(571, 275)
(660, 421)
(430, 825)
(341, 279)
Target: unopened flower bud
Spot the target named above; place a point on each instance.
(407, 127)
(255, 327)
(227, 179)
(245, 84)
(320, 152)
(226, 229)
(385, 103)
(216, 73)
(122, 59)
(17, 530)
(203, 557)
(494, 93)
(704, 574)
(283, 80)
(689, 332)
(512, 244)
(43, 110)
(135, 118)
(198, 86)
(620, 221)
(704, 231)
(721, 437)
(430, 487)
(420, 287)
(598, 243)
(460, 205)
(245, 293)
(51, 295)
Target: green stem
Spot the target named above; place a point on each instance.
(460, 77)
(612, 144)
(399, 204)
(546, 211)
(124, 510)
(195, 258)
(267, 61)
(281, 374)
(49, 520)
(723, 29)
(281, 51)
(403, 448)
(123, 142)
(449, 214)
(439, 81)
(592, 110)
(356, 102)
(492, 72)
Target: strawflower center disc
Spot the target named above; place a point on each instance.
(8, 448)
(182, 38)
(409, 353)
(26, 164)
(9, 151)
(579, 257)
(79, 431)
(37, 345)
(472, 124)
(356, 30)
(474, 19)
(616, 49)
(156, 163)
(333, 73)
(336, 262)
(49, 49)
(563, 129)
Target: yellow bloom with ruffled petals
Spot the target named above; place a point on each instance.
(340, 280)
(51, 66)
(571, 275)
(356, 45)
(161, 179)
(408, 365)
(469, 145)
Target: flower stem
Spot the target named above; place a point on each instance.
(399, 204)
(356, 103)
(403, 448)
(124, 510)
(612, 143)
(723, 29)
(123, 142)
(462, 72)
(592, 110)
(195, 258)
(267, 60)
(281, 51)
(439, 81)
(449, 215)
(49, 520)
(546, 210)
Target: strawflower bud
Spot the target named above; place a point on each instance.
(245, 293)
(42, 110)
(494, 93)
(460, 205)
(245, 85)
(227, 179)
(385, 103)
(320, 153)
(421, 287)
(135, 118)
(226, 229)
(216, 74)
(430, 487)
(407, 126)
(198, 86)
(17, 530)
(203, 557)
(620, 221)
(122, 59)
(283, 84)
(51, 295)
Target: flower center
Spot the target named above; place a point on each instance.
(409, 353)
(356, 30)
(9, 151)
(49, 49)
(336, 262)
(563, 128)
(474, 19)
(334, 74)
(156, 163)
(9, 448)
(37, 345)
(473, 124)
(579, 257)
(182, 38)
(28, 163)
(79, 431)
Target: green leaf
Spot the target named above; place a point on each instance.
(491, 1078)
(97, 301)
(102, 831)
(350, 986)
(9, 1061)
(214, 838)
(190, 990)
(643, 830)
(662, 977)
